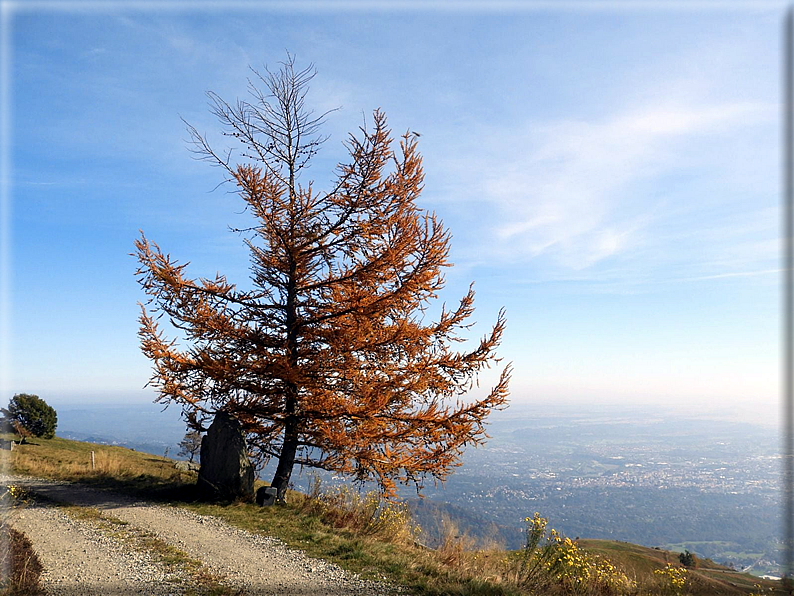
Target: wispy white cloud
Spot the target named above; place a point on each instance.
(586, 190)
(94, 52)
(734, 274)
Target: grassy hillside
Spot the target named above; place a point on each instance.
(378, 540)
(114, 467)
(708, 578)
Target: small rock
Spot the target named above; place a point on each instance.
(266, 495)
(187, 466)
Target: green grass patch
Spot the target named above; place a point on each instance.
(736, 555)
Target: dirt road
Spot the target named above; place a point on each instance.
(136, 547)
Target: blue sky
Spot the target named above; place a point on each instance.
(610, 174)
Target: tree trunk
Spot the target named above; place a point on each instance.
(286, 460)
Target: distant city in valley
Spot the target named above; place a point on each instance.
(660, 479)
(712, 487)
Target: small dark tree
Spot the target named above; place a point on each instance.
(688, 559)
(190, 445)
(33, 414)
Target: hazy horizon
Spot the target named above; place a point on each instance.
(171, 416)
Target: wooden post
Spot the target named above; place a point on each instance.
(93, 463)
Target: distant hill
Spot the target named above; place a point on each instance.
(151, 447)
(143, 427)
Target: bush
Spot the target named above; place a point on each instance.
(688, 559)
(366, 514)
(553, 564)
(33, 414)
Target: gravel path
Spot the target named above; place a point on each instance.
(80, 558)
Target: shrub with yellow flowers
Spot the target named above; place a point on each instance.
(12, 496)
(12, 493)
(553, 560)
(673, 579)
(759, 590)
(529, 568)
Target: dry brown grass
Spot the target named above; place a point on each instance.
(363, 513)
(21, 568)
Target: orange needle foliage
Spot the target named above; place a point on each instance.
(328, 362)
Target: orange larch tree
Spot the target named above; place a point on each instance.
(327, 361)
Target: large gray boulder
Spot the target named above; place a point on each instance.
(226, 472)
